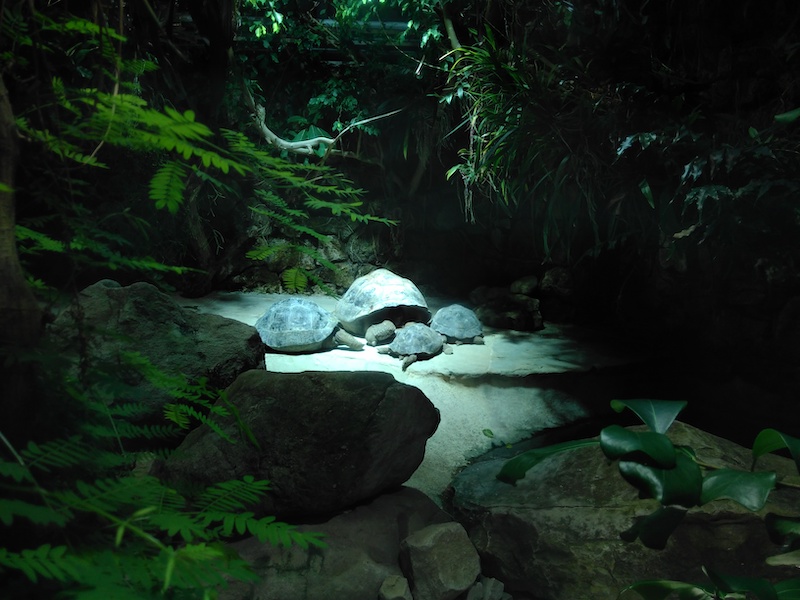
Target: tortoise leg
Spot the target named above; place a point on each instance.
(409, 360)
(379, 332)
(342, 337)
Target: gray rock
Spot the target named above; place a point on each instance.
(483, 294)
(514, 311)
(107, 321)
(555, 535)
(558, 282)
(359, 563)
(440, 561)
(487, 588)
(527, 285)
(395, 587)
(326, 441)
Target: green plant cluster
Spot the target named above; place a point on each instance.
(183, 161)
(674, 476)
(568, 124)
(80, 517)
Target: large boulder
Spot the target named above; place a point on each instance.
(109, 324)
(440, 561)
(326, 440)
(556, 533)
(361, 557)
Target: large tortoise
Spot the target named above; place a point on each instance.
(415, 341)
(301, 325)
(380, 296)
(458, 324)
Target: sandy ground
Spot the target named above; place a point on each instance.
(481, 391)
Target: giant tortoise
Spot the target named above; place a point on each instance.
(379, 296)
(301, 325)
(415, 341)
(458, 324)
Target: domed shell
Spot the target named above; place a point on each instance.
(295, 325)
(378, 296)
(416, 338)
(457, 323)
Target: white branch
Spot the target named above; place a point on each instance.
(305, 147)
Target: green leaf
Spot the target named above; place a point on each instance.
(516, 468)
(788, 117)
(621, 443)
(748, 489)
(681, 485)
(658, 415)
(644, 186)
(660, 589)
(655, 529)
(788, 589)
(780, 528)
(787, 559)
(730, 583)
(769, 440)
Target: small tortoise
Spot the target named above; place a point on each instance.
(378, 296)
(458, 324)
(415, 342)
(300, 325)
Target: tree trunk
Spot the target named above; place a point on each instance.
(20, 313)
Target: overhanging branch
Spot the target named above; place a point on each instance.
(309, 147)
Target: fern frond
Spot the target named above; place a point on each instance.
(121, 574)
(128, 410)
(132, 431)
(115, 494)
(231, 496)
(347, 209)
(271, 198)
(60, 92)
(14, 471)
(167, 186)
(58, 144)
(289, 221)
(181, 414)
(35, 513)
(202, 565)
(317, 256)
(266, 529)
(179, 523)
(35, 240)
(321, 284)
(46, 561)
(83, 26)
(138, 66)
(294, 280)
(263, 252)
(60, 453)
(104, 590)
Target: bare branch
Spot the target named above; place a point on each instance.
(308, 147)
